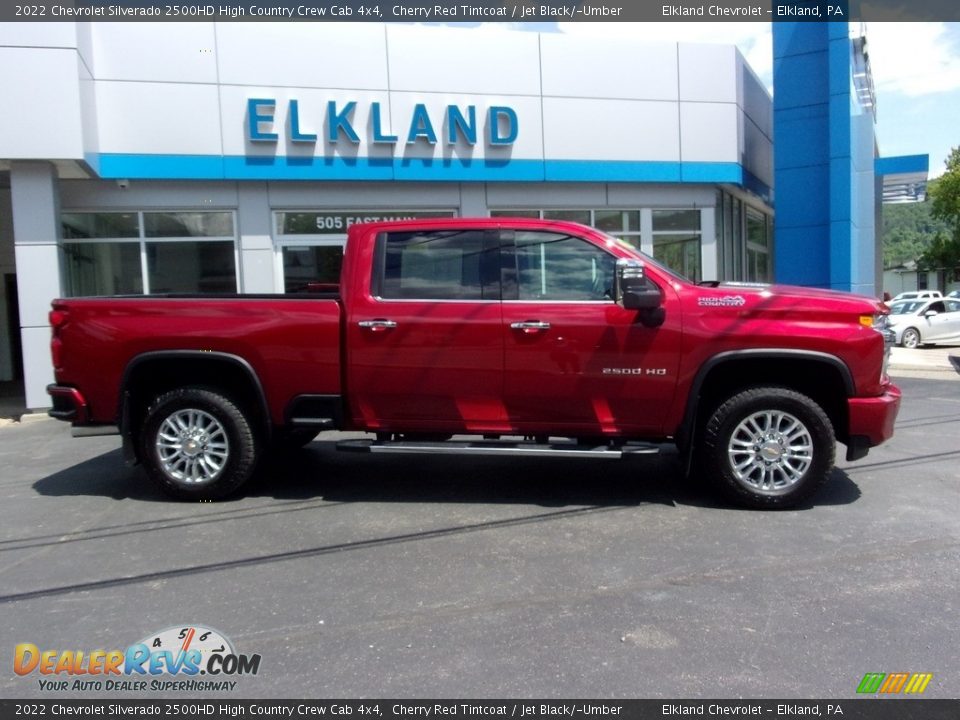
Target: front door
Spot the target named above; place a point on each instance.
(576, 362)
(425, 344)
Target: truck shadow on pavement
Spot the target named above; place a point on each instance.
(318, 472)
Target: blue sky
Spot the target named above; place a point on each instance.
(916, 71)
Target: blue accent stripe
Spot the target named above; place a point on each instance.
(161, 167)
(902, 164)
(450, 169)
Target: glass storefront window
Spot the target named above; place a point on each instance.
(578, 216)
(676, 220)
(616, 222)
(756, 228)
(680, 253)
(191, 267)
(515, 213)
(187, 224)
(102, 268)
(758, 244)
(311, 268)
(99, 225)
(115, 265)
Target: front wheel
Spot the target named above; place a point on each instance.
(768, 448)
(910, 338)
(197, 444)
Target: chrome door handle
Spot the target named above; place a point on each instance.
(530, 326)
(377, 325)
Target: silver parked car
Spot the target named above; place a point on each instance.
(918, 295)
(921, 322)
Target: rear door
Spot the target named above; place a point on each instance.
(937, 326)
(425, 348)
(947, 323)
(576, 362)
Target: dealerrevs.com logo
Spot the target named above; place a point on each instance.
(169, 661)
(894, 683)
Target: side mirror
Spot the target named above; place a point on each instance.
(632, 290)
(930, 313)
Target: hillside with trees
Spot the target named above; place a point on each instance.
(909, 230)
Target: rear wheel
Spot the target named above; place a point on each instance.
(768, 448)
(197, 444)
(910, 338)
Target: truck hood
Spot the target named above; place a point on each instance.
(759, 296)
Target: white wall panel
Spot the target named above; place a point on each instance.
(756, 151)
(308, 54)
(708, 132)
(754, 98)
(463, 61)
(88, 108)
(171, 52)
(39, 34)
(41, 118)
(610, 130)
(708, 73)
(608, 68)
(37, 366)
(158, 118)
(38, 268)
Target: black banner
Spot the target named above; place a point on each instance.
(857, 709)
(483, 10)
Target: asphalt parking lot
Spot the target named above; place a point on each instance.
(360, 576)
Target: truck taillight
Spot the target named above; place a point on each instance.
(58, 318)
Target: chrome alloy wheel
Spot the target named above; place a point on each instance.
(192, 446)
(770, 451)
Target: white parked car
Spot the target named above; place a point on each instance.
(918, 295)
(919, 322)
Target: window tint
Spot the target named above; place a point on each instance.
(440, 265)
(937, 306)
(560, 267)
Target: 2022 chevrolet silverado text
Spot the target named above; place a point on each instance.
(535, 337)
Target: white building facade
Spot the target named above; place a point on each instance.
(232, 157)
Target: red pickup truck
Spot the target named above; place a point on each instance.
(536, 338)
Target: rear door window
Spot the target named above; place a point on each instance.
(438, 265)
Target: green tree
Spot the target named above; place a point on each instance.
(908, 229)
(943, 254)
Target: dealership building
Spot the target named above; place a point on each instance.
(232, 157)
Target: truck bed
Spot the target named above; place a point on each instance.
(292, 343)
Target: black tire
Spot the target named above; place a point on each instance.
(203, 459)
(767, 447)
(910, 338)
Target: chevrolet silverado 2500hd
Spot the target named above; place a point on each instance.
(535, 337)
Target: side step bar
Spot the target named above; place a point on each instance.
(523, 449)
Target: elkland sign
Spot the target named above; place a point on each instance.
(496, 126)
